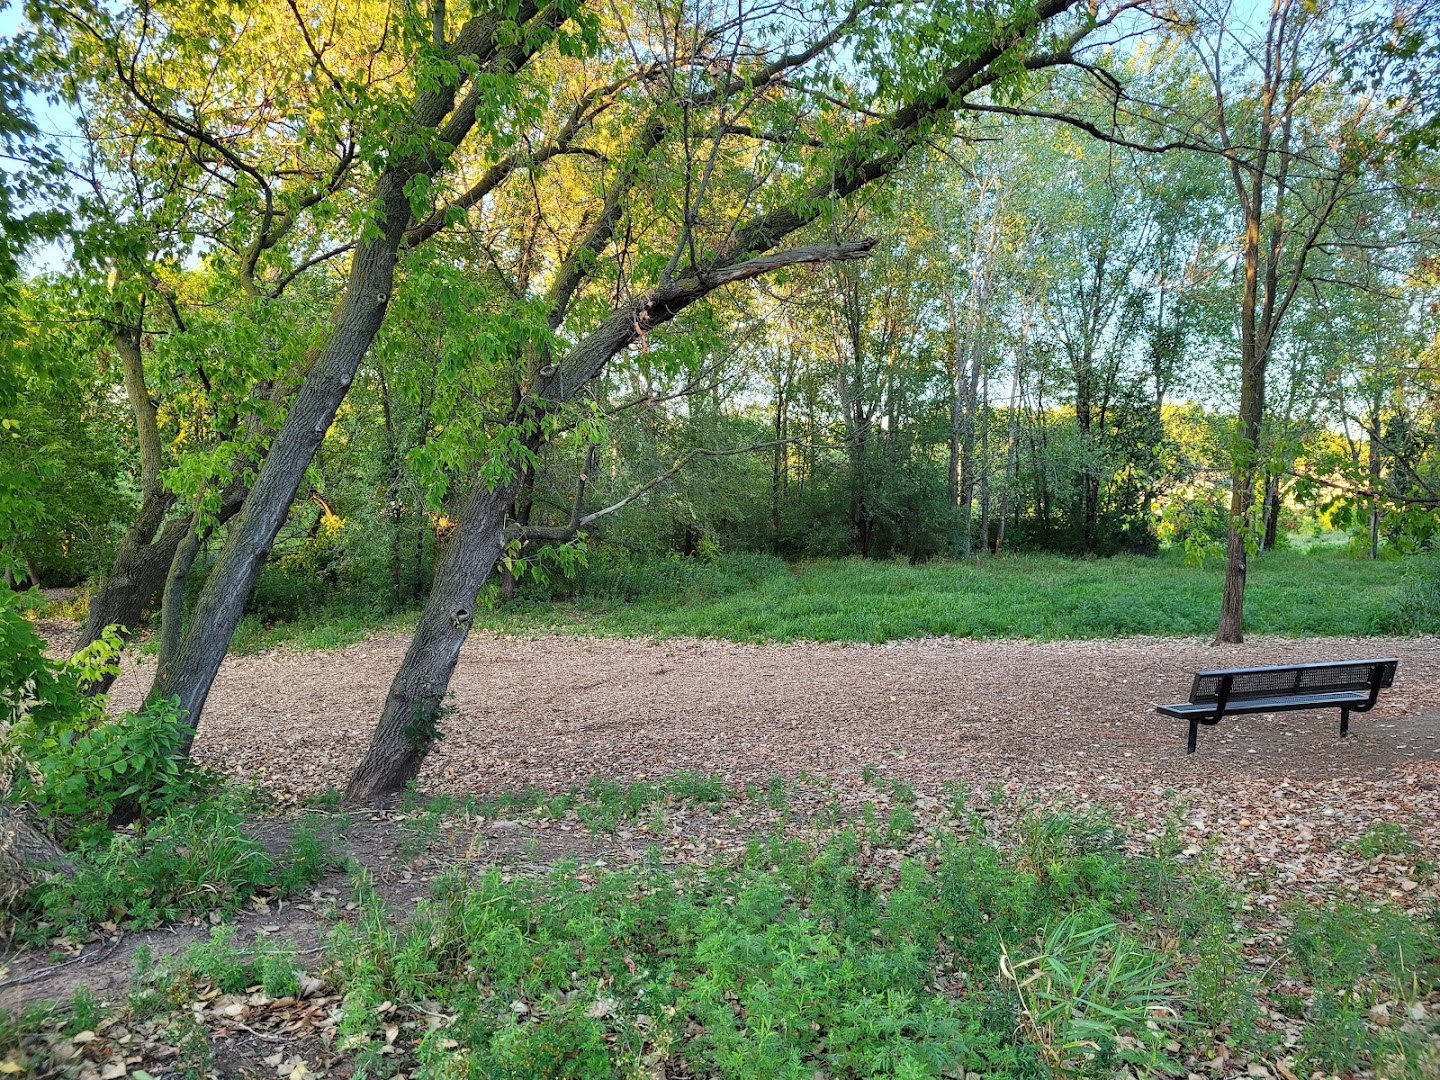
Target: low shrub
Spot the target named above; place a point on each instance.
(1416, 608)
(79, 774)
(191, 861)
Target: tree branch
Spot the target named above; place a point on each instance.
(561, 533)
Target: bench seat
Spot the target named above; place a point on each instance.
(1186, 709)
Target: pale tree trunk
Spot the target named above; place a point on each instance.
(983, 411)
(962, 431)
(1012, 442)
(147, 547)
(957, 405)
(1374, 463)
(967, 450)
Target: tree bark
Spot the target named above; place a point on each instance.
(172, 607)
(1281, 231)
(135, 577)
(1373, 460)
(409, 722)
(779, 462)
(145, 551)
(983, 410)
(26, 854)
(1012, 449)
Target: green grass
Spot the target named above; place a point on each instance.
(1293, 593)
(882, 949)
(876, 944)
(321, 629)
(1319, 591)
(194, 860)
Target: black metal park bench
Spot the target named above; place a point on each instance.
(1347, 685)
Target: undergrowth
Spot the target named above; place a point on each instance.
(1046, 597)
(1291, 592)
(902, 940)
(1294, 592)
(145, 837)
(879, 950)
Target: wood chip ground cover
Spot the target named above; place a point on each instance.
(1280, 796)
(1278, 804)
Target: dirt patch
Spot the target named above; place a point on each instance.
(1283, 794)
(554, 711)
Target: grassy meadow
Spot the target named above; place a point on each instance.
(1321, 590)
(1298, 593)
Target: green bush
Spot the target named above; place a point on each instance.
(192, 860)
(76, 770)
(282, 593)
(84, 774)
(63, 755)
(1416, 610)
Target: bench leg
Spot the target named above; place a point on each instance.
(1194, 727)
(1344, 722)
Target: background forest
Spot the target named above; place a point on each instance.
(1042, 351)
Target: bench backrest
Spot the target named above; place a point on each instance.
(1292, 679)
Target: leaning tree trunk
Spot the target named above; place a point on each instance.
(409, 722)
(26, 854)
(189, 672)
(172, 607)
(222, 602)
(189, 675)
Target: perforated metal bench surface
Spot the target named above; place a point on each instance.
(1347, 685)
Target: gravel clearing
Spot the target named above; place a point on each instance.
(1279, 796)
